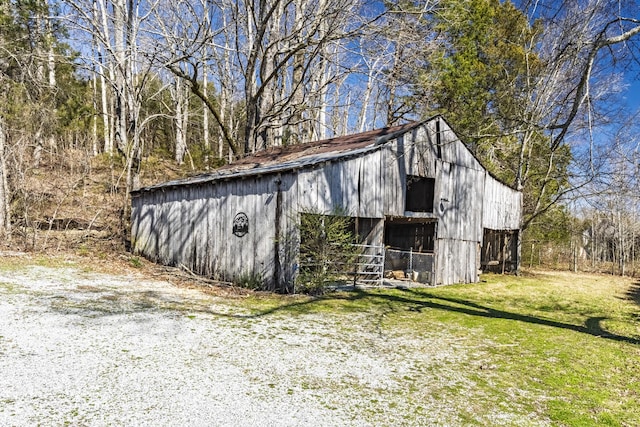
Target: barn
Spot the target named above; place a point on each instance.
(418, 200)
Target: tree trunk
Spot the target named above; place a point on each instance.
(94, 119)
(5, 211)
(362, 118)
(51, 57)
(181, 107)
(622, 251)
(393, 79)
(100, 19)
(120, 49)
(205, 116)
(323, 86)
(297, 94)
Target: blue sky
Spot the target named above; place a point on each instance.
(633, 92)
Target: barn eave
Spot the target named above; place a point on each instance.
(309, 162)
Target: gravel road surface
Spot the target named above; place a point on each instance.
(84, 348)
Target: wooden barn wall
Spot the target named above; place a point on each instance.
(416, 153)
(502, 208)
(419, 152)
(457, 261)
(193, 226)
(246, 255)
(355, 185)
(459, 181)
(411, 154)
(453, 150)
(459, 234)
(459, 202)
(141, 223)
(287, 230)
(395, 171)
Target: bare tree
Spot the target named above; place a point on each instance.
(578, 50)
(123, 58)
(613, 200)
(5, 212)
(27, 100)
(275, 55)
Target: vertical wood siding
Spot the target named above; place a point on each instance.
(353, 185)
(192, 226)
(459, 202)
(457, 261)
(394, 169)
(288, 234)
(502, 209)
(411, 154)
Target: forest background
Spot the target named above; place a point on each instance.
(99, 97)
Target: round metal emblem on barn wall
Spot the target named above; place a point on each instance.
(240, 224)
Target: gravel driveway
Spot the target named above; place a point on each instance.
(85, 348)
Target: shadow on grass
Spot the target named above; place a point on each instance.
(633, 293)
(418, 301)
(131, 302)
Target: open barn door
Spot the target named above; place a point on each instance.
(410, 247)
(499, 251)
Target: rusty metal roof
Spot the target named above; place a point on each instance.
(291, 157)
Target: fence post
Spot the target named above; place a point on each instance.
(410, 260)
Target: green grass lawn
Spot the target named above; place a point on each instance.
(564, 347)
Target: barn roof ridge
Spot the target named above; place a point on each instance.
(297, 156)
(309, 154)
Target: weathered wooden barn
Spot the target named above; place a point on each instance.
(420, 202)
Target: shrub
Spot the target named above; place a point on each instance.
(327, 251)
(251, 281)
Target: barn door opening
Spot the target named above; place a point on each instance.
(499, 250)
(341, 249)
(410, 248)
(420, 193)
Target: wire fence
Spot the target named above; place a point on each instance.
(417, 266)
(367, 264)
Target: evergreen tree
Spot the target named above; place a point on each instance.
(484, 80)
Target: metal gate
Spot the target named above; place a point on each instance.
(367, 267)
(357, 264)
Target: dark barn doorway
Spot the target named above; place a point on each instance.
(420, 192)
(410, 248)
(499, 251)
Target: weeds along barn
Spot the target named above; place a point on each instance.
(418, 200)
